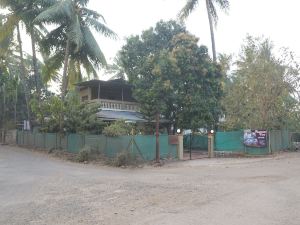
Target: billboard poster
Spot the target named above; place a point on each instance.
(255, 138)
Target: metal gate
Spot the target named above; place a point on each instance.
(195, 146)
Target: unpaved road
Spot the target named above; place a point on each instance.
(36, 189)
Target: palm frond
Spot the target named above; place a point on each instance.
(187, 9)
(9, 26)
(91, 13)
(88, 67)
(52, 66)
(82, 2)
(223, 4)
(93, 48)
(74, 32)
(74, 73)
(62, 10)
(55, 39)
(100, 27)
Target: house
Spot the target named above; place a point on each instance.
(115, 99)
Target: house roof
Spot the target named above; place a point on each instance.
(110, 115)
(95, 83)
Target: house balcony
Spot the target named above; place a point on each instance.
(117, 105)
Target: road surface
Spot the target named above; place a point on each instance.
(37, 189)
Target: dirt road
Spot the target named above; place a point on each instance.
(35, 189)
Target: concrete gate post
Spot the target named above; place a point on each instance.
(180, 147)
(211, 153)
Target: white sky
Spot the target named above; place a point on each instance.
(277, 20)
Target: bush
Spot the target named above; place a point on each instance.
(125, 158)
(84, 154)
(117, 128)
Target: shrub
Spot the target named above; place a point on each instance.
(125, 158)
(117, 128)
(84, 154)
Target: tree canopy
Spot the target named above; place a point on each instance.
(173, 76)
(262, 91)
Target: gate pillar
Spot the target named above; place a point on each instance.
(211, 153)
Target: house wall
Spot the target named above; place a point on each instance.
(85, 92)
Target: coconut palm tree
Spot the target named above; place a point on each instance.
(24, 11)
(72, 44)
(212, 16)
(7, 29)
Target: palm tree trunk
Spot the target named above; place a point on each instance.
(23, 75)
(15, 106)
(212, 35)
(34, 63)
(64, 77)
(64, 88)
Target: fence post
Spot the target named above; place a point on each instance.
(180, 147)
(269, 142)
(210, 145)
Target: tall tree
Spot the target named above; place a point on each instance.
(261, 94)
(211, 13)
(72, 42)
(172, 77)
(7, 29)
(24, 12)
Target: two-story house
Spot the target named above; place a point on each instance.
(115, 99)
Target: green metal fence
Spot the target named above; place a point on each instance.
(232, 142)
(142, 145)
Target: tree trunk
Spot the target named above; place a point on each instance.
(212, 35)
(34, 63)
(23, 75)
(4, 115)
(15, 106)
(64, 78)
(157, 153)
(64, 88)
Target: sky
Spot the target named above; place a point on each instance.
(277, 20)
(274, 19)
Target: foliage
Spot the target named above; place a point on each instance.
(117, 128)
(78, 117)
(172, 75)
(212, 15)
(72, 44)
(84, 154)
(261, 94)
(125, 158)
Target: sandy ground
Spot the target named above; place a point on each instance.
(36, 189)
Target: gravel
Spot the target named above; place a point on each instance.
(38, 189)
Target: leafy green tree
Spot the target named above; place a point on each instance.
(172, 77)
(142, 58)
(211, 13)
(261, 92)
(197, 87)
(72, 43)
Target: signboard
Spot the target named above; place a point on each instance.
(255, 138)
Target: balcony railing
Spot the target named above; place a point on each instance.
(117, 105)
